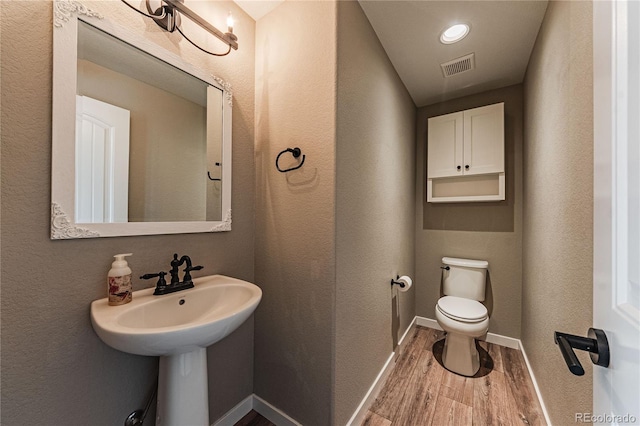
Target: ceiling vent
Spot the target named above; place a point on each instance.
(459, 65)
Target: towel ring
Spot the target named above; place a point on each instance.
(296, 153)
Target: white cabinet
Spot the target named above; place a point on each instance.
(466, 144)
(445, 139)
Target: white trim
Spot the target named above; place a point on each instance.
(234, 415)
(535, 383)
(506, 341)
(254, 402)
(428, 322)
(372, 393)
(360, 413)
(411, 326)
(272, 414)
(496, 339)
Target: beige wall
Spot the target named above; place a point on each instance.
(329, 319)
(295, 211)
(375, 235)
(55, 370)
(488, 231)
(558, 187)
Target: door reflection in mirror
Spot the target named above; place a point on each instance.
(175, 136)
(102, 162)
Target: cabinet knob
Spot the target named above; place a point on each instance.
(458, 167)
(466, 167)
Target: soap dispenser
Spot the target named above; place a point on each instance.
(119, 281)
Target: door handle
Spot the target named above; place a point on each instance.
(596, 344)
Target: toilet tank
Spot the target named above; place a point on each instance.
(465, 278)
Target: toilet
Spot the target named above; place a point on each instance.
(461, 314)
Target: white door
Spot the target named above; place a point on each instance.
(102, 162)
(616, 266)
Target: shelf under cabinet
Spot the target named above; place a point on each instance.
(463, 189)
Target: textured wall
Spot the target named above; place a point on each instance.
(487, 231)
(558, 203)
(375, 170)
(295, 218)
(55, 370)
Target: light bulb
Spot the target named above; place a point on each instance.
(230, 23)
(454, 33)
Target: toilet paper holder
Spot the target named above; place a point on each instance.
(400, 283)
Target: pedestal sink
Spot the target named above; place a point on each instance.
(178, 327)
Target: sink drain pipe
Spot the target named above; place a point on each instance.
(137, 417)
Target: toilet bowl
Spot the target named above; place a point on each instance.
(461, 315)
(462, 326)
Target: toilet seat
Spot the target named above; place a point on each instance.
(461, 309)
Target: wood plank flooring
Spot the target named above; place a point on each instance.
(253, 418)
(420, 391)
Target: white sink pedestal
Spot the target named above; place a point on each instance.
(178, 327)
(183, 390)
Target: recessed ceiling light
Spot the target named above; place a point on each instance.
(454, 33)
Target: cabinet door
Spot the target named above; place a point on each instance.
(484, 140)
(444, 145)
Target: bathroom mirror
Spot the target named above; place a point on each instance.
(141, 139)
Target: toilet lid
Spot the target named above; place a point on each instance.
(462, 309)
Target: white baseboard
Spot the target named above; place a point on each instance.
(360, 413)
(372, 394)
(496, 339)
(535, 384)
(272, 414)
(401, 342)
(254, 402)
(234, 415)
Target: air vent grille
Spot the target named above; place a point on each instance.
(459, 65)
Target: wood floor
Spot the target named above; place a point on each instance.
(420, 391)
(253, 418)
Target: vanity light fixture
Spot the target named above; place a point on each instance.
(167, 16)
(454, 33)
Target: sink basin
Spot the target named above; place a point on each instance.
(178, 327)
(176, 322)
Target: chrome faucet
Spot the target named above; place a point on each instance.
(187, 282)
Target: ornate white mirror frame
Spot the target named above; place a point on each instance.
(67, 14)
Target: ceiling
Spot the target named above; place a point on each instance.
(258, 8)
(502, 37)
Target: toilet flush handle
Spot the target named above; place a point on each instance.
(446, 268)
